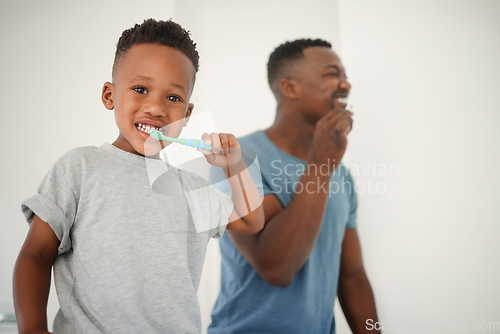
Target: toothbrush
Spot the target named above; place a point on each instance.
(183, 141)
(200, 144)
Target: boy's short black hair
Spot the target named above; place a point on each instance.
(166, 33)
(287, 52)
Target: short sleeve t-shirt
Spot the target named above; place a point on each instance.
(247, 303)
(131, 250)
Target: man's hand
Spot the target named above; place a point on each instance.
(330, 138)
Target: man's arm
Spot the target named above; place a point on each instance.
(32, 275)
(280, 250)
(355, 293)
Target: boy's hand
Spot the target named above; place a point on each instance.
(248, 213)
(226, 149)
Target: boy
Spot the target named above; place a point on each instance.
(125, 260)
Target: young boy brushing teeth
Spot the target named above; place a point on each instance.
(128, 259)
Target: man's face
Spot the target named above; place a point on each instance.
(322, 81)
(151, 89)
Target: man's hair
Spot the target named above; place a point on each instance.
(287, 52)
(167, 33)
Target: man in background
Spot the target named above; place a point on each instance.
(285, 278)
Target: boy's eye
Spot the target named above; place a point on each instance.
(173, 98)
(140, 90)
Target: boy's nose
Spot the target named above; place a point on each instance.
(154, 108)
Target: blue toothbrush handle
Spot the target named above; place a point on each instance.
(198, 144)
(204, 146)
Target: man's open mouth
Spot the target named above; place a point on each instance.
(341, 100)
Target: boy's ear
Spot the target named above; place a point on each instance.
(289, 88)
(189, 111)
(108, 93)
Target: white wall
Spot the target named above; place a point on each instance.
(425, 95)
(426, 98)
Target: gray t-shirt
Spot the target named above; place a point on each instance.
(131, 254)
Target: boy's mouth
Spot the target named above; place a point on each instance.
(147, 128)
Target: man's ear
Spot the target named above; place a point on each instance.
(108, 94)
(289, 88)
(189, 111)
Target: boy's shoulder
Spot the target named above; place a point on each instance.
(78, 158)
(79, 154)
(81, 151)
(71, 166)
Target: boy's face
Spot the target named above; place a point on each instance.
(151, 87)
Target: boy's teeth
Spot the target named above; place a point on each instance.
(147, 128)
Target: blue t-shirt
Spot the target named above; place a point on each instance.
(247, 303)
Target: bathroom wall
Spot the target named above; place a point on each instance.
(424, 148)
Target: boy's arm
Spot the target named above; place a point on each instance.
(248, 214)
(32, 274)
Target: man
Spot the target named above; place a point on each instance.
(285, 278)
